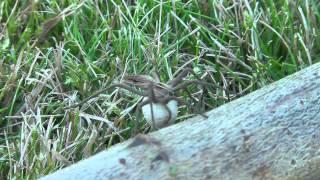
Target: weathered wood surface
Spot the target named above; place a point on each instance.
(272, 133)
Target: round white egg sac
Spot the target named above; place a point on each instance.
(160, 113)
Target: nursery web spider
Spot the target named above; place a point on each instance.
(160, 103)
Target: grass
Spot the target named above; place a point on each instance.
(55, 53)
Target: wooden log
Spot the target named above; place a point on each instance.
(272, 133)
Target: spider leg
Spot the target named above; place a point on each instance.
(126, 87)
(119, 85)
(164, 104)
(195, 109)
(138, 108)
(202, 105)
(186, 84)
(152, 116)
(165, 101)
(174, 82)
(169, 113)
(153, 99)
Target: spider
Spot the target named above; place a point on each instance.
(160, 103)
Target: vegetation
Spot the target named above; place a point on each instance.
(54, 54)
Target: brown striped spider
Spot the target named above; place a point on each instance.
(160, 103)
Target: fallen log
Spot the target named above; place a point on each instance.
(272, 133)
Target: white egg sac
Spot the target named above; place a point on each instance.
(160, 113)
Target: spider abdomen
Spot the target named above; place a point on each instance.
(160, 113)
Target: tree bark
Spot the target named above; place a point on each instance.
(272, 133)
